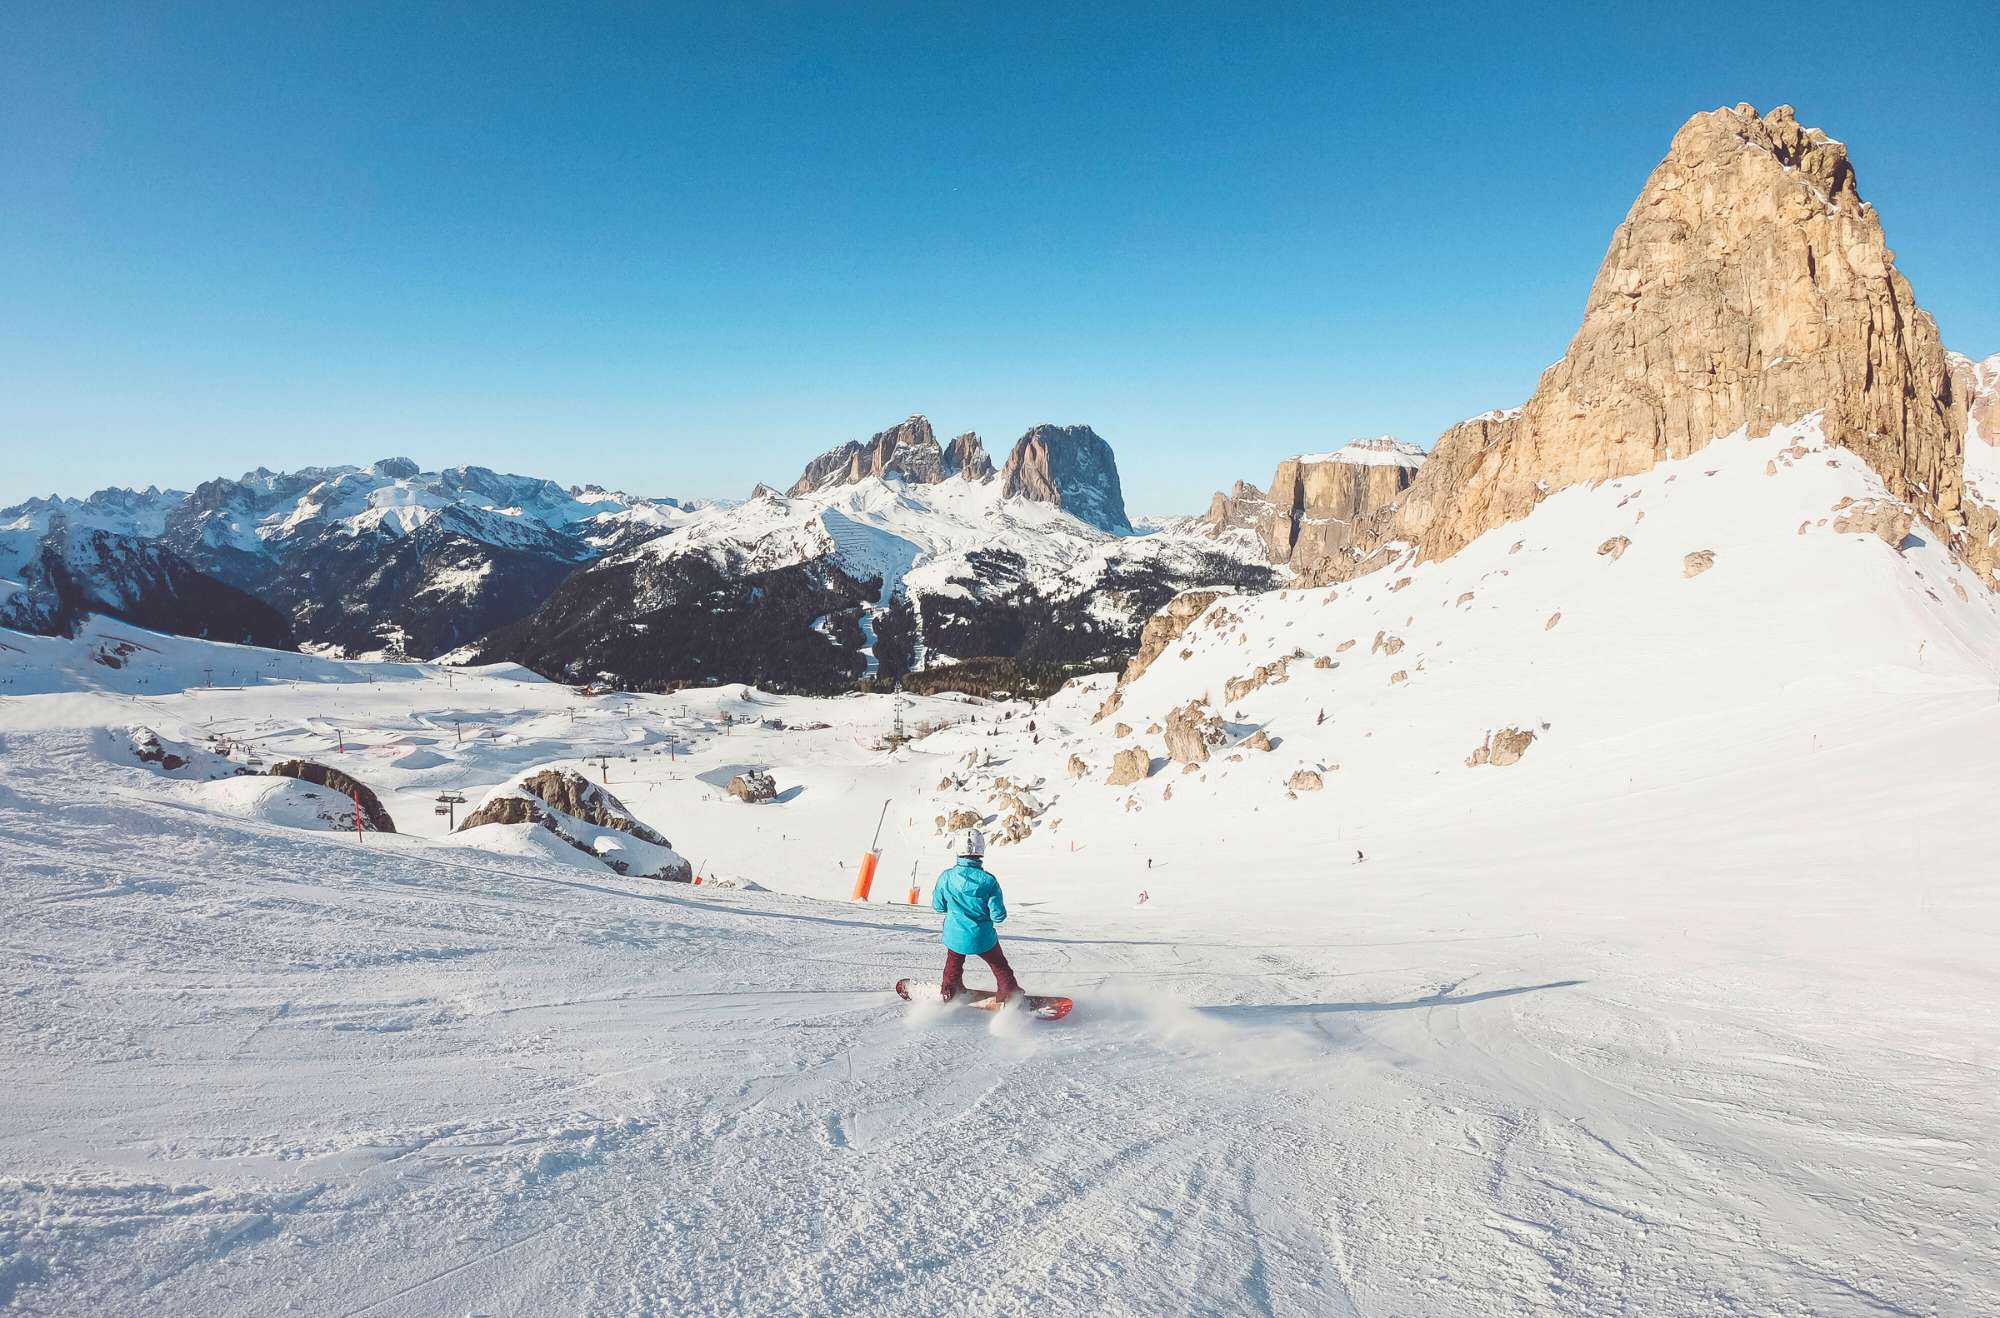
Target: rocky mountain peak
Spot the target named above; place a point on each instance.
(395, 469)
(1073, 468)
(909, 450)
(1747, 287)
(966, 456)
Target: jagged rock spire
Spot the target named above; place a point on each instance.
(909, 450)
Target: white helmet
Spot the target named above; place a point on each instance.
(970, 842)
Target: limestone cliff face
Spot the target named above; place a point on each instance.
(1977, 384)
(966, 457)
(909, 450)
(1319, 504)
(1073, 468)
(1748, 286)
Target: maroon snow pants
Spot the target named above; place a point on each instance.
(996, 961)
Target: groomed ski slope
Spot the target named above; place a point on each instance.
(1691, 1011)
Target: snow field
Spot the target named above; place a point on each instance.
(1690, 1011)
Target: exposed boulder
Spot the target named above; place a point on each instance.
(1131, 765)
(1503, 747)
(1305, 780)
(1614, 548)
(1190, 731)
(1077, 768)
(373, 816)
(753, 786)
(1700, 561)
(1259, 740)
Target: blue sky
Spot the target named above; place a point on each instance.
(682, 248)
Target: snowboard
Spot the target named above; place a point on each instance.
(1042, 1009)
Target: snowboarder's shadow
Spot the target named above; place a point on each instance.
(1267, 1011)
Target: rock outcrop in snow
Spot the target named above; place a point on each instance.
(1163, 629)
(1501, 748)
(753, 786)
(585, 816)
(373, 815)
(1129, 765)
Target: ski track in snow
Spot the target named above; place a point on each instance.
(1693, 1015)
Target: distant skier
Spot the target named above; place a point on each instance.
(970, 899)
(1358, 857)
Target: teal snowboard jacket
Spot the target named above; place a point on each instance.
(970, 900)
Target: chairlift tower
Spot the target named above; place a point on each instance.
(897, 736)
(448, 803)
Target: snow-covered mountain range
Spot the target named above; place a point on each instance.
(888, 557)
(951, 556)
(378, 558)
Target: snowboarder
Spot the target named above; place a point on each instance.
(970, 899)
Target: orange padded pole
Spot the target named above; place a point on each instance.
(866, 878)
